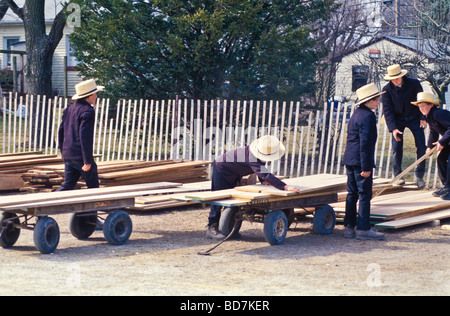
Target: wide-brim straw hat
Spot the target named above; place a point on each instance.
(267, 148)
(86, 88)
(367, 93)
(394, 72)
(425, 97)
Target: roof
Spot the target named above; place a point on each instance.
(52, 7)
(422, 47)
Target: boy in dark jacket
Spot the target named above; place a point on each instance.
(229, 168)
(400, 114)
(359, 161)
(439, 122)
(76, 137)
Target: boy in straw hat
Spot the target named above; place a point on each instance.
(439, 122)
(229, 168)
(76, 137)
(400, 114)
(359, 161)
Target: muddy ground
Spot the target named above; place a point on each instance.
(161, 259)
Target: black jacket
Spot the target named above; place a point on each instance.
(439, 122)
(397, 102)
(361, 138)
(76, 132)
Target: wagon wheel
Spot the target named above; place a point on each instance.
(117, 228)
(8, 233)
(46, 235)
(275, 227)
(228, 221)
(82, 226)
(324, 220)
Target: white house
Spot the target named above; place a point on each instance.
(368, 64)
(12, 32)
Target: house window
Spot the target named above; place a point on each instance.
(360, 76)
(72, 61)
(7, 43)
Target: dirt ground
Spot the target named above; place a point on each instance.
(161, 259)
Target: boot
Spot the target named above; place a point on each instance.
(369, 235)
(214, 233)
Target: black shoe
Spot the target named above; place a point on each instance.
(440, 192)
(446, 197)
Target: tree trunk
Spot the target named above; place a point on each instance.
(38, 70)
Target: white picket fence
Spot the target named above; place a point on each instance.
(199, 130)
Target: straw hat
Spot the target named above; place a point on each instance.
(425, 97)
(394, 72)
(267, 148)
(367, 92)
(86, 88)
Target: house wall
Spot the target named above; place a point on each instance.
(361, 58)
(8, 30)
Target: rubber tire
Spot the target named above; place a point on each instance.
(46, 235)
(82, 226)
(275, 227)
(228, 221)
(324, 220)
(10, 236)
(117, 228)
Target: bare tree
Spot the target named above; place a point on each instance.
(350, 26)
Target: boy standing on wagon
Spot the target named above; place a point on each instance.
(439, 122)
(359, 161)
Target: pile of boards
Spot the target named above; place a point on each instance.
(403, 209)
(12, 166)
(37, 172)
(314, 185)
(114, 173)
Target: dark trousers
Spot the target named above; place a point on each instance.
(360, 188)
(73, 172)
(421, 148)
(217, 183)
(444, 166)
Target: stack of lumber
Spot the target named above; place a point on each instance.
(164, 198)
(12, 166)
(309, 185)
(403, 209)
(114, 173)
(66, 199)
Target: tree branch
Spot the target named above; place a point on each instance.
(11, 5)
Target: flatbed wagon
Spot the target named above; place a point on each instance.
(34, 211)
(276, 208)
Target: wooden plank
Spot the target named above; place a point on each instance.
(43, 197)
(414, 220)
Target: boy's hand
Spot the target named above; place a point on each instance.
(292, 189)
(86, 168)
(366, 174)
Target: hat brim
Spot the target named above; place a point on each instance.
(98, 89)
(369, 98)
(272, 157)
(401, 74)
(426, 101)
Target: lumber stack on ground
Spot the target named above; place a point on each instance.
(402, 209)
(44, 178)
(12, 166)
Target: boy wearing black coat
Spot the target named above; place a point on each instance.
(359, 161)
(439, 122)
(76, 137)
